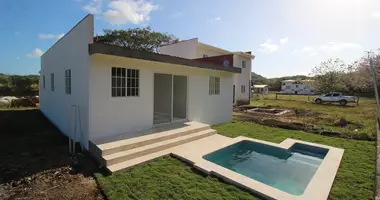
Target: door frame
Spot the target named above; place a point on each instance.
(172, 99)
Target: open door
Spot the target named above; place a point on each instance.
(179, 97)
(162, 98)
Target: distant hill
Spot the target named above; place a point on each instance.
(274, 84)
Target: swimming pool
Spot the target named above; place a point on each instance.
(289, 170)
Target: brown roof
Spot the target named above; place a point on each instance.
(106, 49)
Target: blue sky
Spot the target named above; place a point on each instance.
(288, 37)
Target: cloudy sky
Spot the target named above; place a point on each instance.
(288, 37)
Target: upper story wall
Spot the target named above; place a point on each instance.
(183, 49)
(204, 51)
(70, 52)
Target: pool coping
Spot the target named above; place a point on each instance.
(318, 188)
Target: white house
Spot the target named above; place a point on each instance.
(193, 49)
(260, 89)
(121, 91)
(297, 87)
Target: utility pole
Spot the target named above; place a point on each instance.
(372, 68)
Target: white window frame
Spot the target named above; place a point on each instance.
(242, 89)
(52, 82)
(214, 85)
(118, 81)
(243, 64)
(68, 81)
(133, 83)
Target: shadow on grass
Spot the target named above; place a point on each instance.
(30, 144)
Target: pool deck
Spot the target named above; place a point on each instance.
(192, 153)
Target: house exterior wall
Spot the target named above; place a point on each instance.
(70, 52)
(193, 46)
(296, 87)
(117, 115)
(242, 79)
(183, 49)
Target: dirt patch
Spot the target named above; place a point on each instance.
(34, 162)
(291, 125)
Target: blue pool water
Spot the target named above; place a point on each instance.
(287, 170)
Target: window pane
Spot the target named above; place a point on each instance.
(129, 73)
(118, 72)
(133, 92)
(137, 91)
(133, 83)
(129, 92)
(113, 82)
(123, 82)
(129, 82)
(133, 73)
(113, 92)
(118, 90)
(113, 71)
(137, 73)
(118, 82)
(123, 92)
(123, 72)
(137, 82)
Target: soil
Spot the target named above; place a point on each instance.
(34, 161)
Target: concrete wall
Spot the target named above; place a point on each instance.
(183, 49)
(242, 79)
(70, 52)
(116, 115)
(201, 50)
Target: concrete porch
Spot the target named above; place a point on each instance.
(118, 151)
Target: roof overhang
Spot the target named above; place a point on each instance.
(106, 49)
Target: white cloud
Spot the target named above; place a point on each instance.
(284, 40)
(267, 47)
(307, 49)
(35, 53)
(376, 14)
(215, 19)
(176, 14)
(338, 46)
(50, 36)
(312, 54)
(128, 11)
(91, 9)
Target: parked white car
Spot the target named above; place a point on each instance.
(334, 97)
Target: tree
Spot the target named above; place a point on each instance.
(136, 38)
(328, 76)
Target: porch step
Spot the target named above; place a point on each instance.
(155, 135)
(115, 158)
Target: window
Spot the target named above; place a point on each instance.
(328, 95)
(132, 82)
(52, 81)
(336, 95)
(43, 81)
(205, 55)
(243, 64)
(296, 86)
(118, 82)
(125, 82)
(243, 89)
(68, 81)
(214, 85)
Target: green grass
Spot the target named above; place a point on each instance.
(364, 114)
(168, 178)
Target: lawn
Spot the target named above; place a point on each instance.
(362, 118)
(168, 178)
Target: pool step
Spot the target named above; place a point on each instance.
(129, 154)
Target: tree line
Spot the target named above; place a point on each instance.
(18, 85)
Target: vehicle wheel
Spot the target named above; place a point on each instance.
(342, 102)
(318, 101)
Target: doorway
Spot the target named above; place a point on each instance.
(170, 98)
